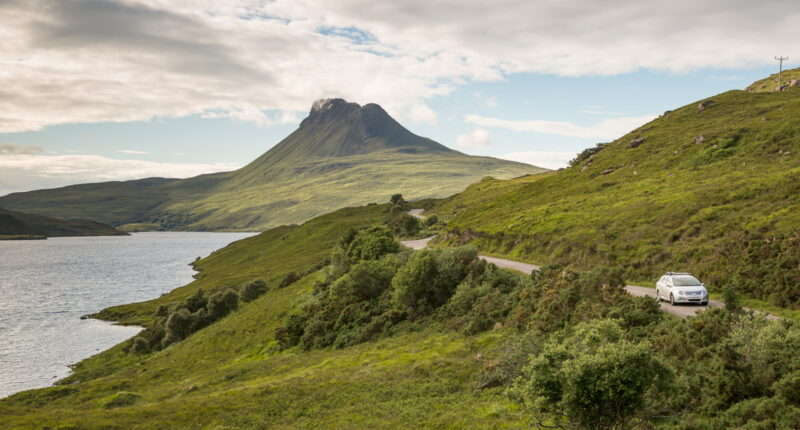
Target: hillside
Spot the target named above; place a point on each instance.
(21, 225)
(342, 346)
(711, 188)
(341, 155)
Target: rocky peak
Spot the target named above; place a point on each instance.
(324, 110)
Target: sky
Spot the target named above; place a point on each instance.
(98, 90)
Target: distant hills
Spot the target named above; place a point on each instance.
(17, 225)
(342, 154)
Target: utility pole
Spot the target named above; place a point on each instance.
(780, 70)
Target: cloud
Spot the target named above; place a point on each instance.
(547, 159)
(84, 61)
(133, 152)
(607, 129)
(23, 172)
(9, 149)
(477, 138)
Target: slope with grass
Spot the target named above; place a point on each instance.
(232, 373)
(341, 155)
(711, 188)
(17, 225)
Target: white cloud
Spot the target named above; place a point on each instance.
(122, 60)
(477, 138)
(606, 129)
(547, 159)
(422, 113)
(133, 152)
(20, 172)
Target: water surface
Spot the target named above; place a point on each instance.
(46, 285)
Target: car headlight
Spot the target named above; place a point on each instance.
(681, 293)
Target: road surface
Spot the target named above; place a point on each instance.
(682, 311)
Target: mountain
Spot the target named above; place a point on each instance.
(19, 225)
(711, 188)
(342, 154)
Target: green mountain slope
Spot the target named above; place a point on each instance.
(20, 225)
(342, 155)
(712, 188)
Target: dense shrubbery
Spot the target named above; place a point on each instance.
(589, 356)
(175, 323)
(769, 267)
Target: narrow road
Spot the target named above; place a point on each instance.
(682, 311)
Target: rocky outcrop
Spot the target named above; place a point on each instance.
(704, 105)
(636, 141)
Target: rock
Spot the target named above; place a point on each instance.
(794, 83)
(637, 141)
(666, 113)
(635, 173)
(498, 325)
(607, 171)
(479, 356)
(783, 87)
(703, 105)
(699, 139)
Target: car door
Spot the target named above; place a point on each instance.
(668, 287)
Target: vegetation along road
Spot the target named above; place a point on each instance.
(682, 311)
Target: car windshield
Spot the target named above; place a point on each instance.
(685, 281)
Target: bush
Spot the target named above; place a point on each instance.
(592, 379)
(372, 243)
(415, 285)
(253, 290)
(196, 301)
(289, 279)
(222, 303)
(140, 345)
(431, 221)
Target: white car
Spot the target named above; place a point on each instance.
(681, 288)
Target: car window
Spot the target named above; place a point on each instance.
(685, 281)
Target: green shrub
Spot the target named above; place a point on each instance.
(415, 285)
(289, 279)
(253, 290)
(222, 303)
(592, 379)
(372, 243)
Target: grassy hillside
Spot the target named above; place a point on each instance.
(341, 155)
(17, 225)
(713, 191)
(496, 350)
(231, 373)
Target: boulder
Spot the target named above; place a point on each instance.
(699, 139)
(636, 141)
(607, 171)
(703, 105)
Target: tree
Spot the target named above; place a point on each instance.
(593, 379)
(222, 303)
(372, 243)
(415, 289)
(253, 290)
(396, 199)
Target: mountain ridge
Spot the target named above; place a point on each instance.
(341, 154)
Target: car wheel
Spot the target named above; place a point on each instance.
(671, 299)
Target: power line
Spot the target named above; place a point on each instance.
(780, 70)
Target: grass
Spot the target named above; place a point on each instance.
(232, 374)
(670, 204)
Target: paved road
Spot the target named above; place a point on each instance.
(682, 311)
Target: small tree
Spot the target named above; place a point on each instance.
(415, 289)
(731, 299)
(222, 303)
(396, 199)
(253, 290)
